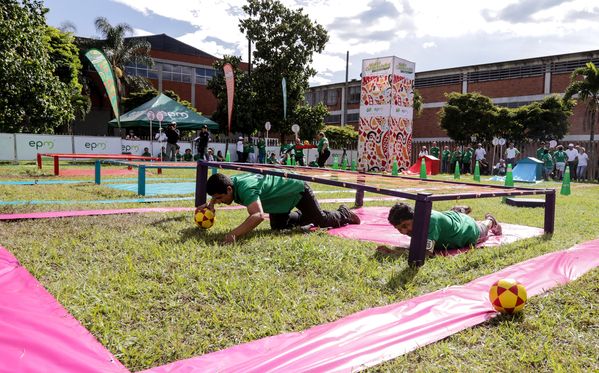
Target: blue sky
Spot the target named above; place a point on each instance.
(435, 34)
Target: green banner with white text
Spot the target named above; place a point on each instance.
(102, 66)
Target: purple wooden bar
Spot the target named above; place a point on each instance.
(423, 201)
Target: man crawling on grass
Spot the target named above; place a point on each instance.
(452, 229)
(277, 196)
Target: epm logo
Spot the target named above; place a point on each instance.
(133, 149)
(95, 145)
(49, 144)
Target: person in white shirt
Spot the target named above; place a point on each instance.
(583, 161)
(510, 155)
(572, 155)
(479, 153)
(423, 152)
(240, 149)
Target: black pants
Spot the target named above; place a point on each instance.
(572, 165)
(239, 156)
(466, 167)
(299, 161)
(308, 212)
(202, 152)
(322, 157)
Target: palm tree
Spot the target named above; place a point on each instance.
(584, 82)
(120, 51)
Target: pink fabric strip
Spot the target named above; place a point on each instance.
(374, 227)
(375, 335)
(38, 334)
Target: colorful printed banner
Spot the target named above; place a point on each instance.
(386, 112)
(230, 82)
(102, 66)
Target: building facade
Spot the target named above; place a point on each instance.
(511, 84)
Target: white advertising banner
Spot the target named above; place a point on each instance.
(97, 145)
(134, 147)
(7, 147)
(28, 145)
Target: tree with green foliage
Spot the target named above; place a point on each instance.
(120, 52)
(64, 55)
(469, 115)
(341, 137)
(544, 120)
(32, 97)
(418, 102)
(285, 41)
(584, 82)
(310, 119)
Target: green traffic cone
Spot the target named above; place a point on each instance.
(456, 173)
(477, 172)
(354, 166)
(395, 168)
(509, 178)
(423, 169)
(335, 162)
(565, 191)
(293, 161)
(344, 164)
(288, 161)
(228, 157)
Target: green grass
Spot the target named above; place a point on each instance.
(154, 289)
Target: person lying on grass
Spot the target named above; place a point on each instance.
(277, 196)
(452, 229)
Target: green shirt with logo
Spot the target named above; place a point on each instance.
(299, 153)
(321, 144)
(467, 156)
(540, 152)
(547, 160)
(446, 154)
(187, 157)
(560, 156)
(435, 151)
(452, 230)
(455, 156)
(277, 194)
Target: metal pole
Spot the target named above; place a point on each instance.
(549, 212)
(422, 217)
(201, 179)
(344, 103)
(141, 180)
(98, 172)
(359, 202)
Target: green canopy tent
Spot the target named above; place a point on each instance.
(171, 110)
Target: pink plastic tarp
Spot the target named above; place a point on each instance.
(375, 227)
(376, 335)
(37, 334)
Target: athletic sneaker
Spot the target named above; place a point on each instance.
(496, 227)
(349, 215)
(462, 209)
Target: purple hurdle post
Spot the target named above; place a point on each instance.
(422, 217)
(549, 211)
(201, 179)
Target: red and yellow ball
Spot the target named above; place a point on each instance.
(204, 218)
(507, 295)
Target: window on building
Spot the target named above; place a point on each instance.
(138, 69)
(318, 97)
(186, 74)
(354, 95)
(204, 75)
(331, 97)
(309, 97)
(167, 71)
(333, 119)
(353, 117)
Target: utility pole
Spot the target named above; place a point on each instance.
(345, 92)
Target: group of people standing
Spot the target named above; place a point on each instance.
(556, 160)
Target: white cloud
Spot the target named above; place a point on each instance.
(141, 32)
(429, 44)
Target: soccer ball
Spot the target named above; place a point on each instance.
(204, 218)
(507, 295)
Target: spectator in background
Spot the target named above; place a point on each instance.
(323, 149)
(299, 152)
(560, 158)
(456, 159)
(541, 151)
(210, 155)
(583, 161)
(572, 160)
(202, 141)
(146, 152)
(131, 136)
(187, 157)
(219, 156)
(261, 150)
(547, 163)
(500, 168)
(252, 151)
(467, 160)
(480, 156)
(240, 149)
(162, 155)
(272, 159)
(435, 150)
(172, 137)
(423, 152)
(511, 154)
(178, 155)
(445, 156)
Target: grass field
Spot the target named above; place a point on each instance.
(154, 289)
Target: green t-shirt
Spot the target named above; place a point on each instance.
(452, 230)
(272, 161)
(467, 156)
(560, 156)
(187, 157)
(299, 153)
(277, 195)
(446, 154)
(435, 151)
(540, 153)
(547, 160)
(261, 146)
(146, 154)
(321, 144)
(455, 156)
